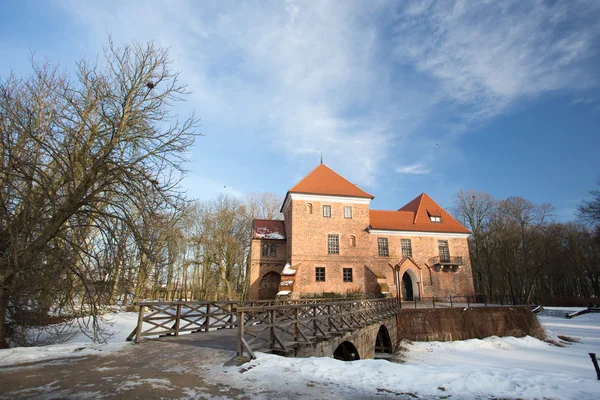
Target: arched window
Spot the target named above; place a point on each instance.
(309, 208)
(352, 241)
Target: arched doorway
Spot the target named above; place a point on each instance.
(383, 343)
(346, 351)
(269, 286)
(407, 287)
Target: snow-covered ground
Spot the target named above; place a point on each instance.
(119, 325)
(471, 369)
(494, 367)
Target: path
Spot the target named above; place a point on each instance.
(185, 367)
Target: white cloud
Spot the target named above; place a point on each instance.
(414, 169)
(357, 81)
(489, 54)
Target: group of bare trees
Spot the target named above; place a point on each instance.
(91, 210)
(85, 157)
(199, 253)
(518, 249)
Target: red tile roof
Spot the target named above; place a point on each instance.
(414, 216)
(268, 229)
(325, 181)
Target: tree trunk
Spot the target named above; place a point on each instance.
(3, 325)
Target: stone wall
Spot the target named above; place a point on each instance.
(441, 324)
(446, 324)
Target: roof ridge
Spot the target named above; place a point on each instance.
(336, 176)
(345, 179)
(441, 209)
(306, 176)
(394, 211)
(419, 208)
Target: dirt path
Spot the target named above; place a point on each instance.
(187, 367)
(163, 368)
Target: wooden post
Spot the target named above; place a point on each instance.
(468, 303)
(433, 300)
(329, 317)
(207, 319)
(177, 319)
(138, 333)
(296, 324)
(272, 330)
(240, 348)
(451, 305)
(415, 299)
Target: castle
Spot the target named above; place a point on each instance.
(331, 242)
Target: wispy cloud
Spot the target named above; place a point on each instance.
(487, 55)
(357, 81)
(414, 169)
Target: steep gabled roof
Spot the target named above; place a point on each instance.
(268, 229)
(415, 216)
(325, 181)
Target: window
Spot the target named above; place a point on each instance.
(406, 248)
(327, 211)
(435, 216)
(444, 251)
(347, 274)
(333, 244)
(320, 274)
(352, 241)
(383, 247)
(273, 250)
(265, 250)
(347, 212)
(309, 208)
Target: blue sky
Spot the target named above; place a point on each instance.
(400, 97)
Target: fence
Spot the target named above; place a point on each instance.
(157, 318)
(175, 317)
(283, 327)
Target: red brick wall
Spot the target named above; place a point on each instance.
(306, 248)
(259, 265)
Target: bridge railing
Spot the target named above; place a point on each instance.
(159, 318)
(463, 301)
(283, 327)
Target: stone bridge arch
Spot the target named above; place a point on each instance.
(363, 339)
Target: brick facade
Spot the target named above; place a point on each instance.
(305, 248)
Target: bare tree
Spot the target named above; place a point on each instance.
(79, 154)
(589, 211)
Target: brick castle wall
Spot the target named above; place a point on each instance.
(306, 248)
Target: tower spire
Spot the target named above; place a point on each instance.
(321, 157)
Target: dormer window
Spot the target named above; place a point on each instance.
(435, 216)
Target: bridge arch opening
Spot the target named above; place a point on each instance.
(346, 351)
(383, 343)
(269, 286)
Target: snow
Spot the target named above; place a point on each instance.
(264, 233)
(286, 283)
(119, 324)
(283, 292)
(505, 367)
(287, 270)
(496, 367)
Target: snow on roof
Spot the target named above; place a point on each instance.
(283, 292)
(268, 229)
(287, 270)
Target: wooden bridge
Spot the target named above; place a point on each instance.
(291, 327)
